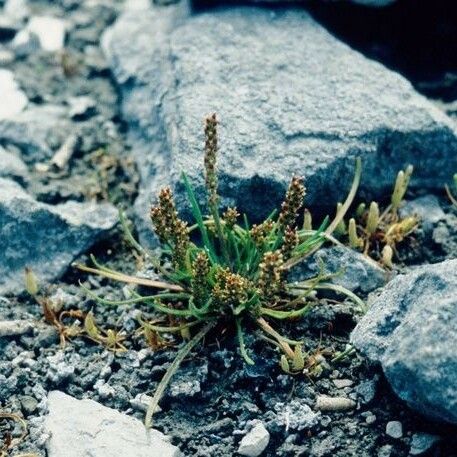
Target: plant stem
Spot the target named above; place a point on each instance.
(266, 327)
(130, 279)
(338, 218)
(182, 354)
(243, 351)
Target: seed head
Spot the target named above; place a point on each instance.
(260, 232)
(230, 216)
(169, 227)
(291, 241)
(271, 274)
(231, 289)
(292, 203)
(210, 159)
(200, 271)
(181, 242)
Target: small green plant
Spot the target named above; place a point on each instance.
(377, 233)
(452, 194)
(222, 271)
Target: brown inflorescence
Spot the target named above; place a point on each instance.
(200, 272)
(210, 159)
(292, 203)
(271, 274)
(291, 241)
(169, 227)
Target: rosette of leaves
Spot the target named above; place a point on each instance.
(222, 271)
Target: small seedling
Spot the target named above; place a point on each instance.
(223, 272)
(72, 323)
(378, 233)
(7, 442)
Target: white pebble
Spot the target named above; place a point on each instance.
(255, 442)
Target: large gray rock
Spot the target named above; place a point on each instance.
(352, 270)
(291, 99)
(411, 330)
(80, 428)
(43, 237)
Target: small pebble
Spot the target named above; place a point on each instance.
(50, 32)
(394, 429)
(422, 443)
(14, 328)
(29, 404)
(255, 442)
(385, 451)
(342, 383)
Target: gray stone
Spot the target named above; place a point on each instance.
(37, 131)
(29, 404)
(284, 104)
(385, 451)
(81, 107)
(14, 99)
(12, 166)
(141, 403)
(43, 237)
(366, 391)
(25, 43)
(255, 441)
(294, 415)
(353, 270)
(410, 330)
(342, 383)
(394, 429)
(50, 32)
(84, 427)
(6, 57)
(422, 443)
(15, 328)
(17, 9)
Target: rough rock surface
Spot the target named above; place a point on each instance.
(406, 330)
(285, 107)
(352, 270)
(43, 237)
(37, 130)
(12, 166)
(84, 427)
